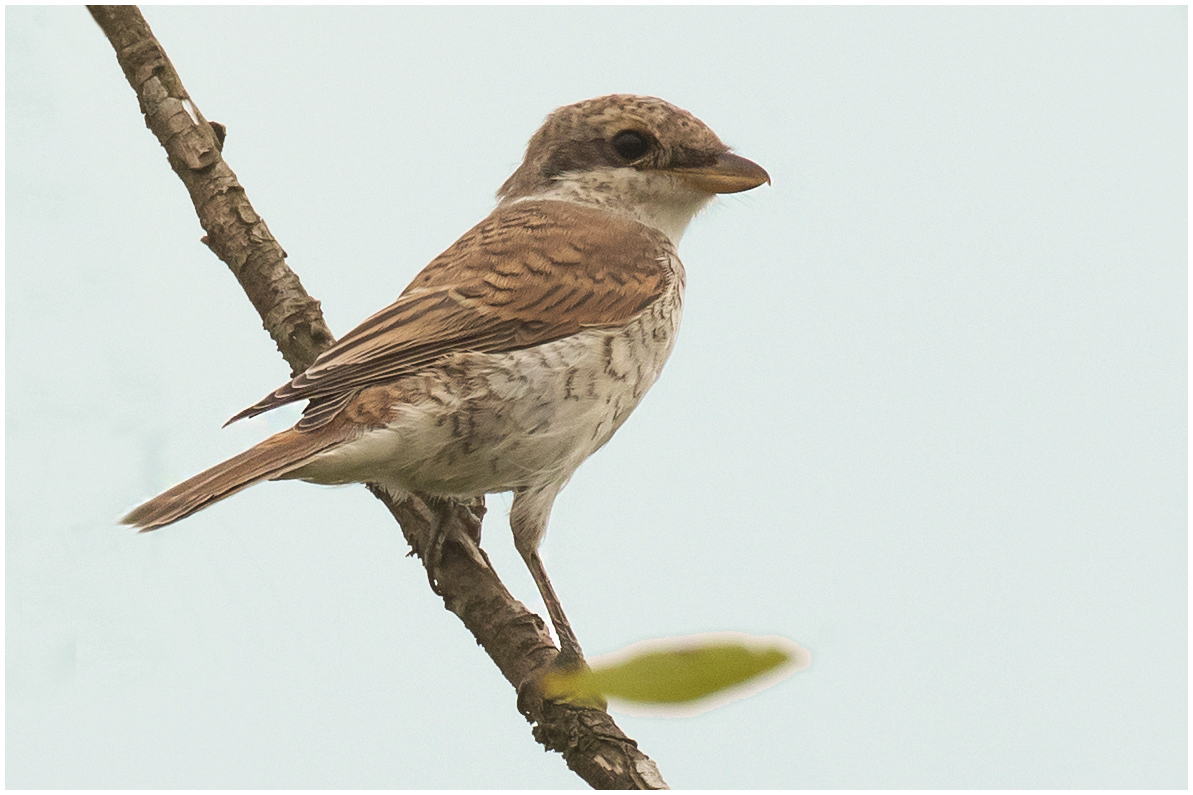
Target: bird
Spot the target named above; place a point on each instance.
(519, 351)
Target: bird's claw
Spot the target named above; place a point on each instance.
(538, 687)
(464, 527)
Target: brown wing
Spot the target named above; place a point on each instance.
(530, 273)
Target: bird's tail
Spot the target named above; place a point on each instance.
(272, 458)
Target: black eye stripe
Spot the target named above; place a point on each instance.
(631, 144)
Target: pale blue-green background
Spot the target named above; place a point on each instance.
(926, 416)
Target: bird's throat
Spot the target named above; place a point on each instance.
(653, 198)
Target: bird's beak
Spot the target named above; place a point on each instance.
(730, 174)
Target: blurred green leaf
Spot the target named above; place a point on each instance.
(685, 672)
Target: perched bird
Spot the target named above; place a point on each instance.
(515, 354)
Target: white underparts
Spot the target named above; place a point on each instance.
(521, 420)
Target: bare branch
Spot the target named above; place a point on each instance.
(516, 639)
(235, 232)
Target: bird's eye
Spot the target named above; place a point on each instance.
(630, 144)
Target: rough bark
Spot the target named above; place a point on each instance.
(516, 639)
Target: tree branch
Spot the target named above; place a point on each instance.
(516, 639)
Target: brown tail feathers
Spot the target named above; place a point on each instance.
(277, 455)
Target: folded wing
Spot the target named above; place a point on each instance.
(531, 273)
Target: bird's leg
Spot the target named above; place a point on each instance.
(570, 655)
(451, 520)
(437, 537)
(528, 520)
(570, 658)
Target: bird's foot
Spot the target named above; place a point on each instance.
(451, 522)
(560, 681)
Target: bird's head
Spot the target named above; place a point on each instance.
(635, 155)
